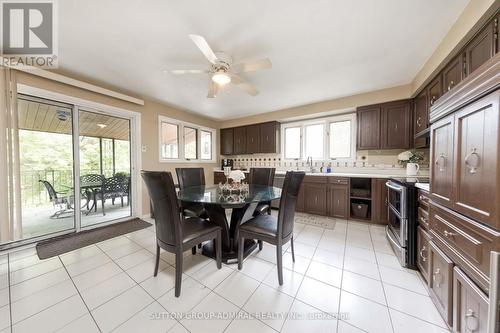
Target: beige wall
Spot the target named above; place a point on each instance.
(470, 16)
(149, 124)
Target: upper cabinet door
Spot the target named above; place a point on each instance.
(268, 137)
(226, 141)
(396, 125)
(441, 164)
(240, 140)
(368, 127)
(421, 119)
(477, 191)
(434, 91)
(453, 73)
(480, 49)
(253, 139)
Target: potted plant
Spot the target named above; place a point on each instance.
(411, 158)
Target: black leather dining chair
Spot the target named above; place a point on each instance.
(262, 176)
(191, 177)
(275, 230)
(175, 232)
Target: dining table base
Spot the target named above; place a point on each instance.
(229, 257)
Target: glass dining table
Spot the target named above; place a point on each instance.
(243, 203)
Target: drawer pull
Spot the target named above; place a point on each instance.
(424, 220)
(471, 321)
(449, 234)
(437, 278)
(418, 122)
(473, 164)
(421, 253)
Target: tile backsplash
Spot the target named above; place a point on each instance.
(378, 159)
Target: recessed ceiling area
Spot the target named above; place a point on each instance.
(320, 50)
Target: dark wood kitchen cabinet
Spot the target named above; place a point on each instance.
(226, 141)
(423, 239)
(421, 114)
(253, 139)
(315, 198)
(269, 137)
(300, 206)
(480, 48)
(453, 73)
(442, 136)
(434, 91)
(338, 197)
(395, 128)
(441, 282)
(380, 201)
(368, 129)
(240, 140)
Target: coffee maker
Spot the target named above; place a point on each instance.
(227, 162)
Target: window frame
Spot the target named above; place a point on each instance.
(325, 121)
(181, 142)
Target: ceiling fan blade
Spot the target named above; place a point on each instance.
(213, 89)
(204, 48)
(243, 85)
(252, 66)
(188, 71)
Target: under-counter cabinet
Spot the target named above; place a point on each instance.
(470, 306)
(315, 198)
(423, 253)
(441, 282)
(338, 197)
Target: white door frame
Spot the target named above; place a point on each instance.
(135, 145)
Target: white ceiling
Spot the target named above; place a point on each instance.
(320, 49)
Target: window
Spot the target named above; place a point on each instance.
(292, 142)
(340, 139)
(314, 141)
(329, 138)
(169, 140)
(190, 138)
(180, 141)
(206, 145)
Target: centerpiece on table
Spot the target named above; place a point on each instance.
(411, 158)
(237, 186)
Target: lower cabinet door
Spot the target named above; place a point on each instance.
(315, 198)
(470, 305)
(423, 253)
(441, 282)
(299, 207)
(338, 201)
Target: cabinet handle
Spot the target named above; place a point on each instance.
(449, 234)
(433, 99)
(436, 277)
(424, 220)
(421, 253)
(474, 164)
(418, 121)
(441, 167)
(471, 321)
(338, 202)
(267, 137)
(451, 85)
(396, 126)
(316, 199)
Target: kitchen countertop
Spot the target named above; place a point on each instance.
(423, 186)
(364, 174)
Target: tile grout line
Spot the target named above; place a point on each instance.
(80, 295)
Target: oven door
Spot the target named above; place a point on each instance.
(399, 251)
(398, 225)
(397, 198)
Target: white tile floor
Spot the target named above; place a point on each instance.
(341, 267)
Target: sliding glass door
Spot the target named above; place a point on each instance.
(105, 183)
(69, 168)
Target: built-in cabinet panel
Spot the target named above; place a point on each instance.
(315, 198)
(480, 49)
(470, 308)
(240, 140)
(453, 73)
(226, 141)
(421, 116)
(441, 282)
(434, 91)
(442, 160)
(269, 137)
(380, 201)
(423, 239)
(253, 139)
(395, 127)
(368, 129)
(338, 201)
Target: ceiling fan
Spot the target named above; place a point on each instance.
(222, 71)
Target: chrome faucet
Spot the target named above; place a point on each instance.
(309, 163)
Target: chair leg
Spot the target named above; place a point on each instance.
(121, 198)
(241, 244)
(261, 245)
(218, 249)
(279, 261)
(103, 212)
(157, 263)
(193, 250)
(293, 252)
(178, 273)
(199, 246)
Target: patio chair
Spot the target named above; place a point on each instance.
(60, 200)
(112, 188)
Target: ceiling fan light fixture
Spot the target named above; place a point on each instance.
(221, 78)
